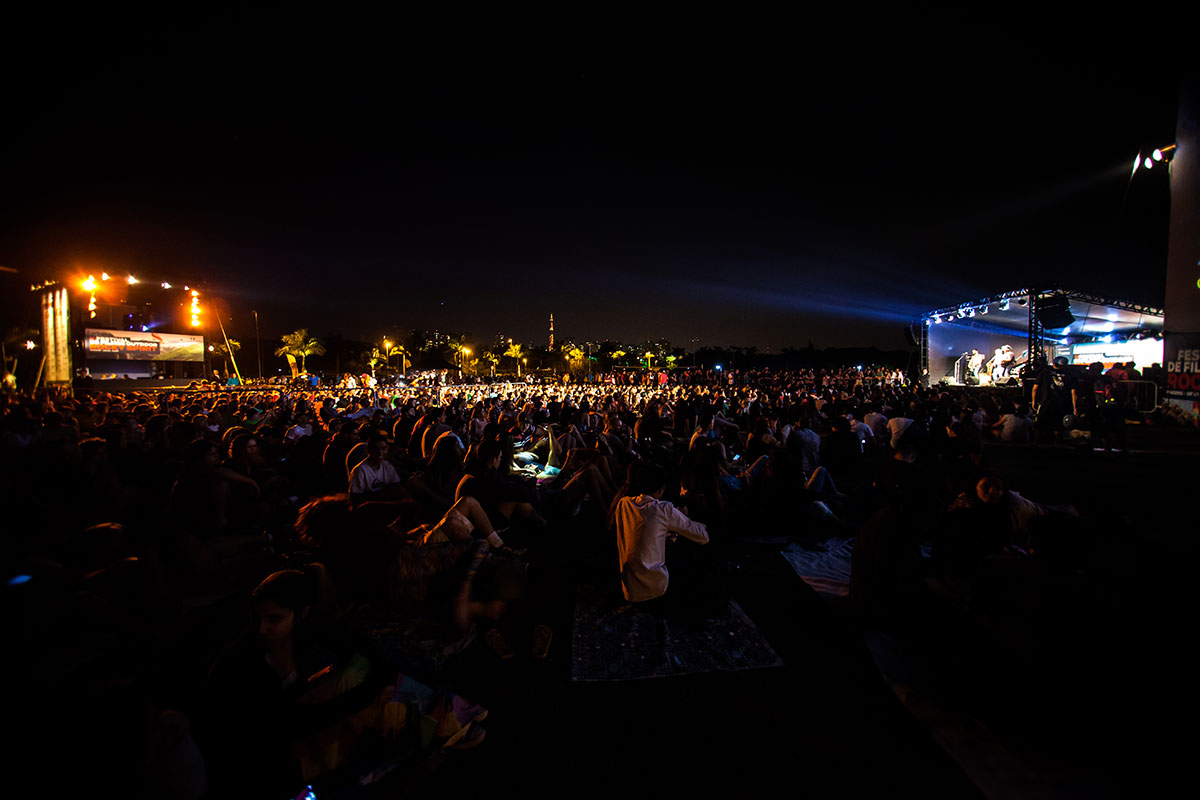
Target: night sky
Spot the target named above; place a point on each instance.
(749, 187)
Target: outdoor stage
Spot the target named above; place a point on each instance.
(1001, 339)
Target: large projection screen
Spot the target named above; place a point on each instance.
(102, 344)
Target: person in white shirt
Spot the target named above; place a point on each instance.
(302, 428)
(1016, 427)
(896, 427)
(371, 479)
(878, 423)
(644, 524)
(866, 436)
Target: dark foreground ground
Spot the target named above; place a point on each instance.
(1095, 703)
(1096, 700)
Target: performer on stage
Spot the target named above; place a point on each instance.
(1004, 358)
(975, 362)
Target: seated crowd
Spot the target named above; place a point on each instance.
(137, 516)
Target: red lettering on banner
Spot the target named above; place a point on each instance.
(1183, 381)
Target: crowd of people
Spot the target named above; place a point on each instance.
(456, 509)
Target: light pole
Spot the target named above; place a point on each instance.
(258, 342)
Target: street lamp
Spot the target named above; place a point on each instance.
(257, 340)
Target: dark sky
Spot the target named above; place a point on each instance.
(360, 178)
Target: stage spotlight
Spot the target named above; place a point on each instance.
(937, 320)
(984, 309)
(1106, 339)
(1157, 154)
(961, 313)
(1004, 305)
(970, 312)
(1147, 163)
(1023, 302)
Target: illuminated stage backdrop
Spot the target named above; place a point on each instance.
(101, 344)
(1081, 326)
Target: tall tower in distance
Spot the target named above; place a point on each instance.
(551, 347)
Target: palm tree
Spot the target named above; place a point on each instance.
(456, 351)
(374, 359)
(575, 360)
(405, 357)
(515, 352)
(219, 349)
(297, 344)
(491, 358)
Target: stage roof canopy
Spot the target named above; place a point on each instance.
(1095, 317)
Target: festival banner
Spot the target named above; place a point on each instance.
(1183, 366)
(109, 345)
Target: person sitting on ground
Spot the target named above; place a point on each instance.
(502, 499)
(375, 478)
(645, 524)
(1015, 427)
(992, 518)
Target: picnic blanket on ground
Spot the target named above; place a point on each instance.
(612, 641)
(826, 566)
(826, 570)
